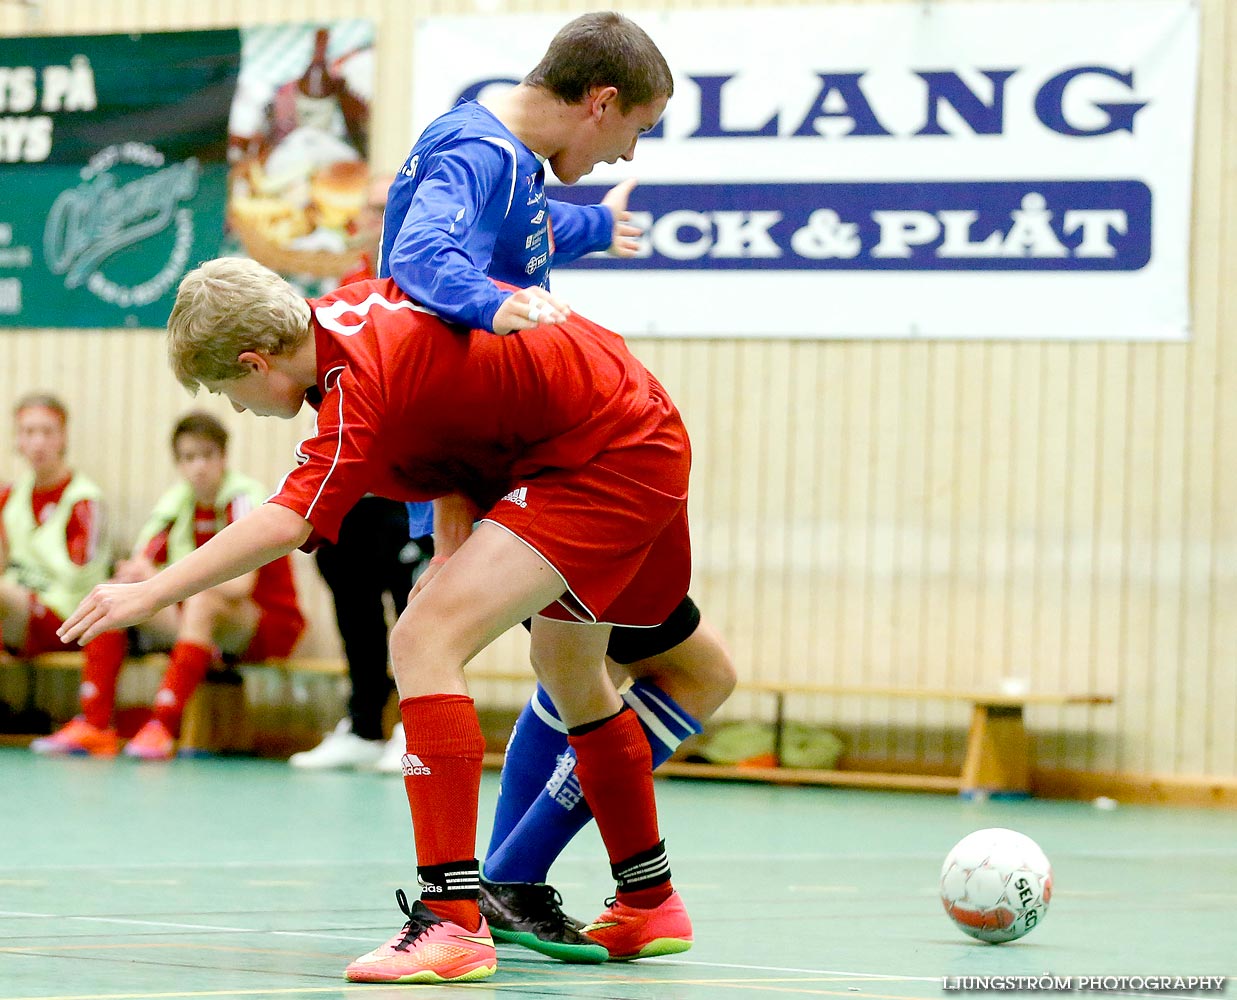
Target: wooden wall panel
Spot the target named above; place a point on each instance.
(1218, 713)
(943, 513)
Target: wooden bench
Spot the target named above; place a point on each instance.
(215, 720)
(998, 750)
(997, 758)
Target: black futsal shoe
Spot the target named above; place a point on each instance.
(531, 914)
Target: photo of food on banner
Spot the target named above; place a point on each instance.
(300, 197)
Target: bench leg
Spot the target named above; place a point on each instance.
(779, 729)
(998, 753)
(216, 719)
(32, 689)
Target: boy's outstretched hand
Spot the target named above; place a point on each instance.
(110, 606)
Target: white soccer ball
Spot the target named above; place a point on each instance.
(996, 884)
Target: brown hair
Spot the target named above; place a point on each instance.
(45, 400)
(226, 307)
(203, 425)
(603, 49)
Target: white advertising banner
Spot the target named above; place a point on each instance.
(931, 170)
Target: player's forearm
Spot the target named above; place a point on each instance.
(264, 534)
(579, 229)
(238, 587)
(453, 518)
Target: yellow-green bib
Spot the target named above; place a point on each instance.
(38, 554)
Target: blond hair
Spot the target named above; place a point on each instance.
(226, 307)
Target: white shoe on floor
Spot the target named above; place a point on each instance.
(392, 759)
(340, 749)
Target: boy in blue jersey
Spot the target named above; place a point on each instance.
(468, 205)
(470, 202)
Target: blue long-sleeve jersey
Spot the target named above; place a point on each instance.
(470, 204)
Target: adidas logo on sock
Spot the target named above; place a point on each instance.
(519, 497)
(412, 765)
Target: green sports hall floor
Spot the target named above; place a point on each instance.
(243, 878)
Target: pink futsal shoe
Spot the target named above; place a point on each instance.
(152, 742)
(428, 950)
(78, 737)
(629, 933)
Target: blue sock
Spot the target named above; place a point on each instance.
(558, 815)
(538, 739)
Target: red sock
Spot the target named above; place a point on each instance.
(105, 656)
(187, 666)
(646, 899)
(442, 776)
(615, 768)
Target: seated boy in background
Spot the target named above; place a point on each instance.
(255, 616)
(52, 543)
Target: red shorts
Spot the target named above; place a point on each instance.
(275, 637)
(41, 631)
(615, 529)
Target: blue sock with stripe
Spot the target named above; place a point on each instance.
(537, 741)
(558, 814)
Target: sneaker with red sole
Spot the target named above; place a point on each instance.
(80, 738)
(629, 933)
(152, 742)
(428, 950)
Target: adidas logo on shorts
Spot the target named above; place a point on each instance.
(518, 497)
(412, 766)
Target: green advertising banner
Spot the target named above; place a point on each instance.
(113, 170)
(125, 160)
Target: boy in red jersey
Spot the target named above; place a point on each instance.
(575, 462)
(255, 616)
(450, 227)
(52, 549)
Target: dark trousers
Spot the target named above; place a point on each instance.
(374, 556)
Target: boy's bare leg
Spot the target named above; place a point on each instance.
(678, 688)
(491, 583)
(569, 660)
(614, 765)
(14, 615)
(697, 673)
(215, 620)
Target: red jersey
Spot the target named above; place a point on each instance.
(412, 409)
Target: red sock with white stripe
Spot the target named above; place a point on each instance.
(615, 768)
(442, 776)
(105, 656)
(187, 666)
